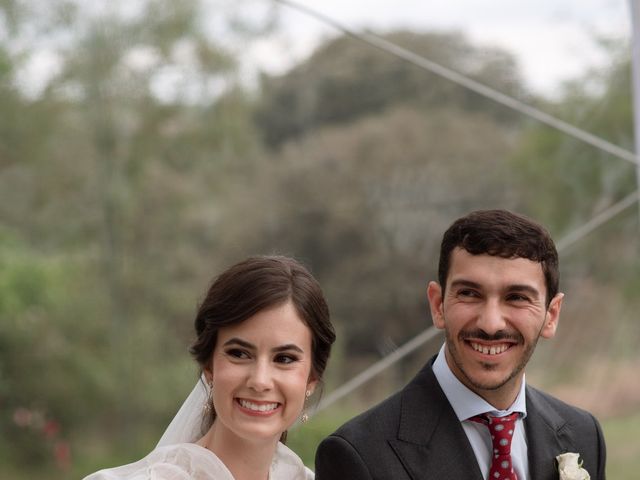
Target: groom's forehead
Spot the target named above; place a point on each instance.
(485, 268)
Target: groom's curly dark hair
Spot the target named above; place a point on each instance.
(503, 234)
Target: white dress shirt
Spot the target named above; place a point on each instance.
(467, 404)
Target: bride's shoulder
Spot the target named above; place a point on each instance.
(182, 461)
(288, 466)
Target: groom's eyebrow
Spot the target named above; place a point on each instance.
(524, 288)
(465, 283)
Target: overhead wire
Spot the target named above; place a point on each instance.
(469, 83)
(376, 368)
(430, 332)
(598, 220)
(499, 97)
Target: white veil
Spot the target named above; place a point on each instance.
(186, 426)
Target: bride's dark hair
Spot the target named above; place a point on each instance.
(256, 284)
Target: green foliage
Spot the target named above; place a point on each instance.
(33, 354)
(304, 439)
(345, 80)
(102, 181)
(5, 66)
(580, 180)
(566, 183)
(353, 201)
(623, 451)
(138, 172)
(577, 181)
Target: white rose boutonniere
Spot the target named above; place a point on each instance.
(570, 468)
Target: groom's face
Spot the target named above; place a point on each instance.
(493, 311)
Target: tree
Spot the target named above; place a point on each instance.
(365, 204)
(115, 164)
(345, 80)
(565, 183)
(579, 180)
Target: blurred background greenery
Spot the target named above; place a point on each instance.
(138, 161)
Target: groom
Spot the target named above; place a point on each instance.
(469, 414)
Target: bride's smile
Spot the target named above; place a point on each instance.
(258, 408)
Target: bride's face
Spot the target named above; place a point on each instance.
(261, 369)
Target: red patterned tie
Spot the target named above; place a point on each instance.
(501, 429)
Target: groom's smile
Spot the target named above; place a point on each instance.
(490, 350)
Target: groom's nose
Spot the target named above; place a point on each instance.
(491, 317)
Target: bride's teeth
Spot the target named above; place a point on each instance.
(258, 408)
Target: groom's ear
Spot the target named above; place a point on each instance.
(552, 317)
(434, 294)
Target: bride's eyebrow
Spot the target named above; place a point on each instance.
(251, 346)
(289, 346)
(239, 341)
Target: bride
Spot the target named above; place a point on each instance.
(263, 341)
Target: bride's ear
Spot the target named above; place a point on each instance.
(312, 383)
(208, 373)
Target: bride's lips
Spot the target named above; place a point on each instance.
(257, 408)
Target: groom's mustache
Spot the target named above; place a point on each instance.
(478, 334)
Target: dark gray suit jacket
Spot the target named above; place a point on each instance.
(415, 435)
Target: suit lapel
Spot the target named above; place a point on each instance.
(544, 442)
(431, 442)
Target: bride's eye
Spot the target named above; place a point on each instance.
(237, 353)
(285, 358)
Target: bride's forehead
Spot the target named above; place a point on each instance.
(280, 325)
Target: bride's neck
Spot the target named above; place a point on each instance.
(245, 460)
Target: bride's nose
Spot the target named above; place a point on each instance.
(260, 376)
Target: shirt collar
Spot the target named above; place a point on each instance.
(467, 404)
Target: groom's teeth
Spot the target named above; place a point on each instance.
(493, 350)
(265, 407)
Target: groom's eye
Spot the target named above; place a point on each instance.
(518, 298)
(467, 292)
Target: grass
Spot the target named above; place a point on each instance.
(623, 447)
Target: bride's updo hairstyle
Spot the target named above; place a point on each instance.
(256, 284)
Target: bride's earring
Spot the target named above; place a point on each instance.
(208, 406)
(305, 416)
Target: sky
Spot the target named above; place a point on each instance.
(553, 40)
